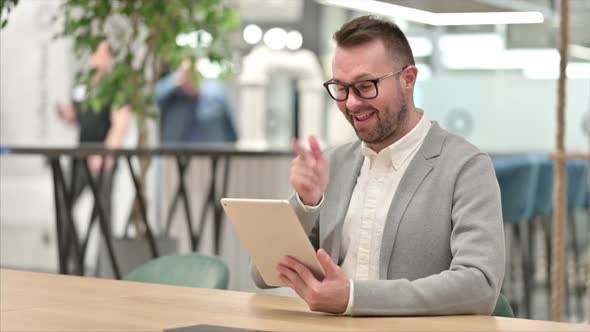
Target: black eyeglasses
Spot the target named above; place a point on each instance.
(366, 89)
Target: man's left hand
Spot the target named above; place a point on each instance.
(329, 294)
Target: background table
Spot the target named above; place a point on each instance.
(46, 302)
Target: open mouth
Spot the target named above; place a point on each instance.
(363, 117)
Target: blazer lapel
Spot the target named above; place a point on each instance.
(417, 170)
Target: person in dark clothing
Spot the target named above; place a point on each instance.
(105, 126)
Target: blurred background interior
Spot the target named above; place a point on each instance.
(490, 78)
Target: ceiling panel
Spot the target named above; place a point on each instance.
(533, 35)
(447, 6)
(269, 11)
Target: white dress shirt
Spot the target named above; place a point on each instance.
(376, 185)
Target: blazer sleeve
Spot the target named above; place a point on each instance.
(472, 283)
(308, 218)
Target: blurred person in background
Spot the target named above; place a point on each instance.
(106, 126)
(191, 114)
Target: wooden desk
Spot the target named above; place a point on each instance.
(47, 302)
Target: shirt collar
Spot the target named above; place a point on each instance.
(398, 152)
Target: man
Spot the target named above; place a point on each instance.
(104, 126)
(191, 114)
(408, 219)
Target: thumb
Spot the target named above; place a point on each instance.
(326, 262)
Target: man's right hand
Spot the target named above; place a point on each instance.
(309, 172)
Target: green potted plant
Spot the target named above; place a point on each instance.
(145, 36)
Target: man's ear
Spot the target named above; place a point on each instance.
(409, 77)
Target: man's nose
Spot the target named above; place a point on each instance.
(354, 102)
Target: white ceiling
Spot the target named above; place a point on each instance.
(534, 35)
(518, 36)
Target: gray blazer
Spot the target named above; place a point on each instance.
(443, 242)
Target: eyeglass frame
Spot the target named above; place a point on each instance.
(356, 91)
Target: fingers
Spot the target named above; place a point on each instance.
(299, 150)
(304, 273)
(304, 169)
(315, 148)
(291, 275)
(309, 172)
(299, 278)
(304, 182)
(305, 164)
(298, 289)
(316, 151)
(288, 282)
(304, 175)
(326, 262)
(292, 280)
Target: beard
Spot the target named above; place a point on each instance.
(388, 124)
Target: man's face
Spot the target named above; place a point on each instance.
(375, 121)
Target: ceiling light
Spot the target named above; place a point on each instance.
(458, 46)
(294, 40)
(507, 59)
(252, 34)
(275, 38)
(488, 18)
(426, 17)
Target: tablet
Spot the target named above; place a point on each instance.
(270, 230)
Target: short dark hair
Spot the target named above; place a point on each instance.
(368, 28)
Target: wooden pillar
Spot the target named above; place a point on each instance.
(560, 194)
